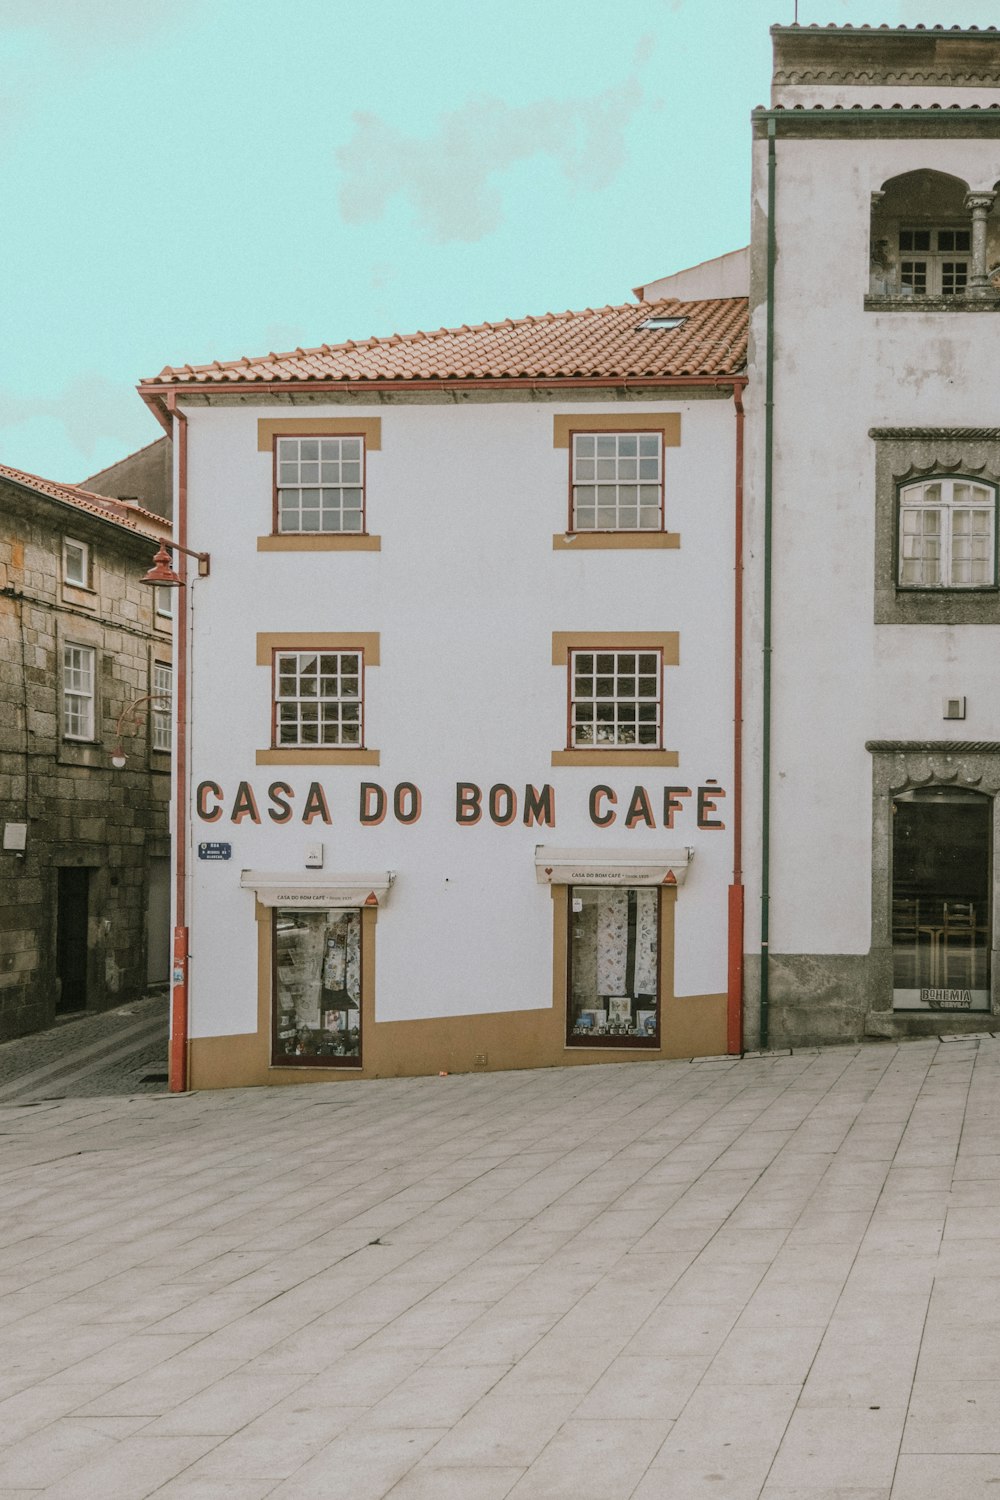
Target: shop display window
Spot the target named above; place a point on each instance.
(317, 988)
(941, 899)
(614, 965)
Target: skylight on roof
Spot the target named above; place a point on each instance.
(663, 322)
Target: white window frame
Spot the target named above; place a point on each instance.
(937, 500)
(322, 495)
(163, 601)
(939, 269)
(162, 710)
(607, 691)
(608, 473)
(82, 582)
(79, 684)
(319, 680)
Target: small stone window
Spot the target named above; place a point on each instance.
(936, 497)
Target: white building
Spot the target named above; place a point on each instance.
(456, 782)
(874, 761)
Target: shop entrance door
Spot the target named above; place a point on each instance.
(72, 915)
(941, 899)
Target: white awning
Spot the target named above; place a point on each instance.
(297, 889)
(611, 866)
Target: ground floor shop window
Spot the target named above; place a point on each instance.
(941, 899)
(614, 964)
(317, 987)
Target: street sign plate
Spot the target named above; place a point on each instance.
(215, 851)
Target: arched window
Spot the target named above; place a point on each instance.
(947, 534)
(921, 236)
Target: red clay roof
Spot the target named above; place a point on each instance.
(598, 343)
(118, 512)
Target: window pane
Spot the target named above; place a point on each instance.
(614, 966)
(317, 999)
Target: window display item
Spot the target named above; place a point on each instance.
(613, 966)
(317, 987)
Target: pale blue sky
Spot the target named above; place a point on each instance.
(188, 180)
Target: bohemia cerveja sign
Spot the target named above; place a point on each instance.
(498, 804)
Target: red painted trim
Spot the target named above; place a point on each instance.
(734, 991)
(575, 432)
(734, 985)
(275, 440)
(179, 1002)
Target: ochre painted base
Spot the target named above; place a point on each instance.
(691, 1026)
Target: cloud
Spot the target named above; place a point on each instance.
(450, 177)
(89, 410)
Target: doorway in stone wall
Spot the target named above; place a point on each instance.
(72, 920)
(941, 906)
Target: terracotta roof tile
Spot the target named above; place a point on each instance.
(119, 512)
(597, 343)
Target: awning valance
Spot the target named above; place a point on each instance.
(611, 866)
(297, 889)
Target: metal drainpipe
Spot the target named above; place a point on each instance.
(734, 997)
(178, 1056)
(765, 806)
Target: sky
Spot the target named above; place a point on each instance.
(189, 180)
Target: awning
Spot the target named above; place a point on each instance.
(611, 866)
(320, 888)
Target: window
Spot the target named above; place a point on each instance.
(614, 964)
(162, 707)
(317, 988)
(947, 534)
(78, 692)
(318, 699)
(320, 484)
(163, 601)
(76, 563)
(617, 481)
(934, 262)
(615, 699)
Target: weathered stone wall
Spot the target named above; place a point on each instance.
(79, 811)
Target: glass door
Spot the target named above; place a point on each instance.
(941, 899)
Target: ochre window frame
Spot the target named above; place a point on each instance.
(367, 645)
(564, 643)
(567, 426)
(369, 430)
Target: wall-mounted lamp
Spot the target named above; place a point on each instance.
(118, 757)
(162, 575)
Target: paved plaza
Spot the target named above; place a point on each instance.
(776, 1277)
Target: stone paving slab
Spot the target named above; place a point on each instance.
(769, 1279)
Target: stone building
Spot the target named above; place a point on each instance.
(85, 675)
(873, 774)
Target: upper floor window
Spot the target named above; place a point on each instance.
(318, 699)
(617, 481)
(162, 707)
(78, 692)
(616, 699)
(947, 534)
(320, 484)
(163, 602)
(76, 563)
(934, 262)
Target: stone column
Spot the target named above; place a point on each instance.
(979, 205)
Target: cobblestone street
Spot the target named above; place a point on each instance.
(121, 1051)
(776, 1277)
